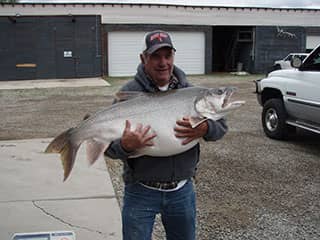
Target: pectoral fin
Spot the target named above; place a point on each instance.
(195, 121)
(94, 150)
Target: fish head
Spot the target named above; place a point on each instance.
(215, 103)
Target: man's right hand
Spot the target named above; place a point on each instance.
(140, 137)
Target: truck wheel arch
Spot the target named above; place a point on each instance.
(269, 93)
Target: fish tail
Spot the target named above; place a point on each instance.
(57, 144)
(67, 149)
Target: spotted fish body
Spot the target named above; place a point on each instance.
(159, 110)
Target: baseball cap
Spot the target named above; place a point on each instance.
(155, 40)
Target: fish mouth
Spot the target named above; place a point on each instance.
(214, 101)
(228, 95)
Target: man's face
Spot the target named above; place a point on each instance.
(159, 65)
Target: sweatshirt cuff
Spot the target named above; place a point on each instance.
(117, 151)
(216, 130)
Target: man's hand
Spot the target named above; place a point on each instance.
(184, 130)
(136, 139)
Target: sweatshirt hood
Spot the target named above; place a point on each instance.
(149, 85)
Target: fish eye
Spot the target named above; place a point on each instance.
(220, 91)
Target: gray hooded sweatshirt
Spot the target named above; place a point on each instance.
(164, 169)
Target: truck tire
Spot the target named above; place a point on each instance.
(274, 118)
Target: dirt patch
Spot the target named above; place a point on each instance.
(248, 186)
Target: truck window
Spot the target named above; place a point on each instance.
(313, 62)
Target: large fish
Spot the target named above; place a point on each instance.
(159, 110)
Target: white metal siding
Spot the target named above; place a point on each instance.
(312, 41)
(124, 49)
(167, 14)
(190, 55)
(123, 52)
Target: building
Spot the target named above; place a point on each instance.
(73, 40)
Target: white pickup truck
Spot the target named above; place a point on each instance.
(291, 98)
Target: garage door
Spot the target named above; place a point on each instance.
(124, 49)
(312, 41)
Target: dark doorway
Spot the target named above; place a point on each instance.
(232, 48)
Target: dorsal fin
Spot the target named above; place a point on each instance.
(126, 95)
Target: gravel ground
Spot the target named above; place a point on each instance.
(248, 186)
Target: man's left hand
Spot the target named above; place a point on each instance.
(184, 130)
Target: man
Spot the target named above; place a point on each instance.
(162, 185)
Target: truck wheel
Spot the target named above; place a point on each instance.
(273, 118)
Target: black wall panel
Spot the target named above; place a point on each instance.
(7, 60)
(50, 47)
(274, 43)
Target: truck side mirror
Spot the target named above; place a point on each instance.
(296, 62)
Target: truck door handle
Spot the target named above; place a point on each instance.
(291, 93)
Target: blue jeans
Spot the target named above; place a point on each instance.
(177, 209)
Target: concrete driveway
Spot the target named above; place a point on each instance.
(33, 197)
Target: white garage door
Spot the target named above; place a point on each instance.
(312, 41)
(124, 49)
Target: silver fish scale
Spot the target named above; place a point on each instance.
(160, 111)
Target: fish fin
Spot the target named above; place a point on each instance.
(57, 144)
(136, 155)
(67, 149)
(217, 116)
(94, 150)
(196, 121)
(68, 156)
(126, 95)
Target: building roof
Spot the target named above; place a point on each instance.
(191, 3)
(160, 13)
